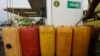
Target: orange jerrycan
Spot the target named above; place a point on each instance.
(47, 40)
(81, 40)
(64, 41)
(11, 39)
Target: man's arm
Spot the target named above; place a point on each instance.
(90, 11)
(92, 7)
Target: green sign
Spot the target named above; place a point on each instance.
(74, 4)
(56, 3)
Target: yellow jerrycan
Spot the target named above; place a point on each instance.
(11, 39)
(81, 40)
(63, 41)
(47, 40)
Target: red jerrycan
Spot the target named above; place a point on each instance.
(81, 40)
(63, 41)
(30, 41)
(11, 39)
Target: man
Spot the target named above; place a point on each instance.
(89, 14)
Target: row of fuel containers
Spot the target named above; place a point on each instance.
(46, 41)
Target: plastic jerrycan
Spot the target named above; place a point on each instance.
(81, 40)
(30, 41)
(11, 39)
(63, 41)
(47, 40)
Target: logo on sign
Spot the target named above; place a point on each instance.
(56, 3)
(74, 4)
